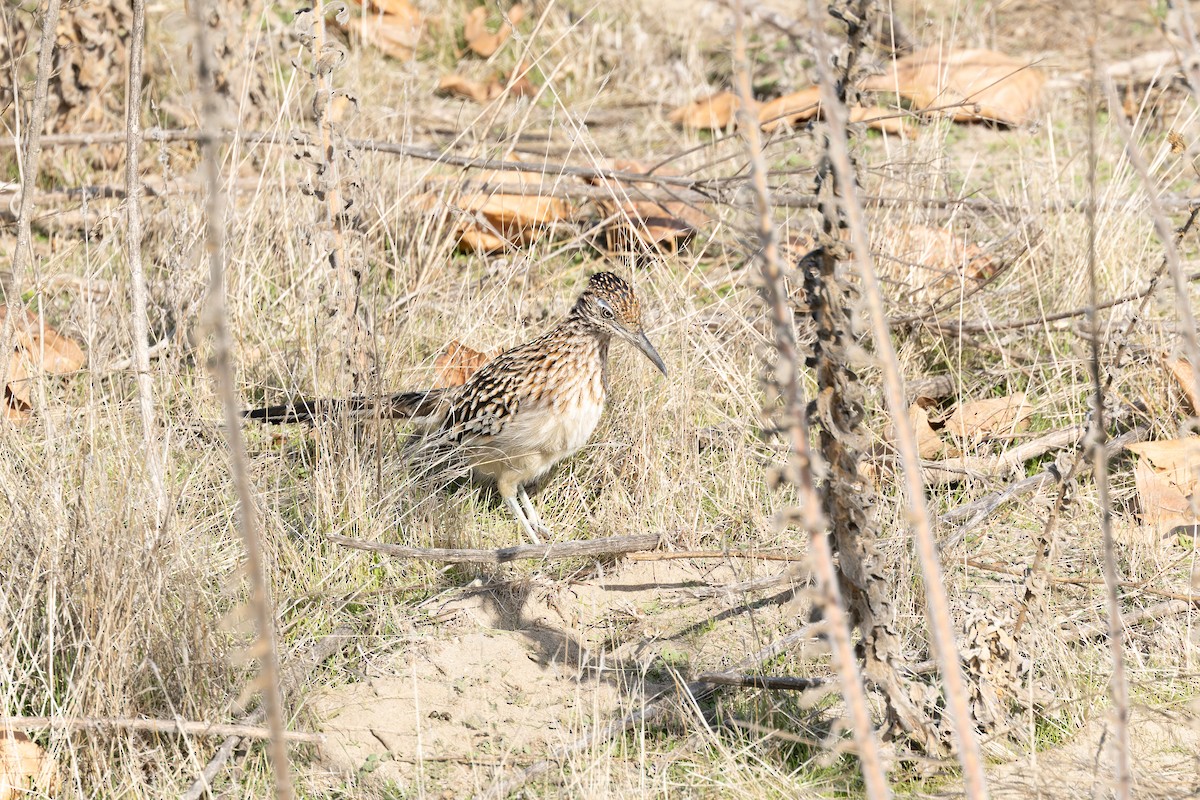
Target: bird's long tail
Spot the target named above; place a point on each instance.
(406, 405)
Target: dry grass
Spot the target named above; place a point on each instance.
(99, 625)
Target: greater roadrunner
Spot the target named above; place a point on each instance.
(523, 411)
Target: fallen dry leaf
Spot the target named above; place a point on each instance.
(1181, 369)
(990, 86)
(931, 262)
(883, 119)
(713, 113)
(459, 86)
(457, 363)
(399, 8)
(475, 238)
(996, 417)
(37, 348)
(391, 26)
(516, 84)
(479, 39)
(790, 109)
(805, 104)
(490, 221)
(929, 444)
(25, 769)
(19, 385)
(635, 224)
(1167, 476)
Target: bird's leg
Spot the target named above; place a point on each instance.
(515, 508)
(531, 512)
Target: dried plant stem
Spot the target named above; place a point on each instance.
(793, 419)
(223, 369)
(184, 727)
(133, 246)
(1118, 684)
(937, 602)
(329, 177)
(29, 173)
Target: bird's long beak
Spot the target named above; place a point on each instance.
(642, 343)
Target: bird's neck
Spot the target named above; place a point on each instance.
(593, 339)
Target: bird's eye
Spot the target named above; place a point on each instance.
(608, 312)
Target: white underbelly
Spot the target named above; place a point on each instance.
(536, 439)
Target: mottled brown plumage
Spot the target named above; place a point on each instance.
(523, 411)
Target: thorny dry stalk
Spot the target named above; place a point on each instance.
(937, 601)
(784, 380)
(329, 186)
(1118, 684)
(217, 313)
(133, 249)
(29, 173)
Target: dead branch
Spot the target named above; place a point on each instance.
(594, 548)
(709, 189)
(1155, 613)
(260, 601)
(29, 174)
(959, 468)
(651, 710)
(137, 275)
(788, 576)
(980, 509)
(182, 727)
(784, 683)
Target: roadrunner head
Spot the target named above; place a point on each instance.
(609, 305)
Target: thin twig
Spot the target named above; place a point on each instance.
(222, 367)
(987, 326)
(329, 179)
(29, 173)
(937, 603)
(1187, 323)
(183, 727)
(1135, 587)
(133, 246)
(793, 418)
(594, 548)
(1166, 232)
